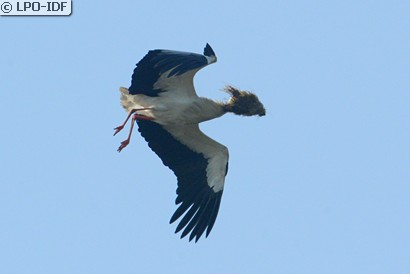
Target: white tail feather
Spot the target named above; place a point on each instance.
(128, 101)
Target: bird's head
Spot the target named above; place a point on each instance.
(243, 103)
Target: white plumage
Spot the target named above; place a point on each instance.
(163, 102)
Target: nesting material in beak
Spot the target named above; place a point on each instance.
(243, 103)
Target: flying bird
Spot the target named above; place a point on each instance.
(163, 102)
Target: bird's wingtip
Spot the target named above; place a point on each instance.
(208, 51)
(209, 54)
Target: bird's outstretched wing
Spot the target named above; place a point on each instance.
(200, 164)
(166, 70)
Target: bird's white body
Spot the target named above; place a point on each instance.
(180, 116)
(172, 110)
(168, 110)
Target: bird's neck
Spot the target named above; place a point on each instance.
(209, 109)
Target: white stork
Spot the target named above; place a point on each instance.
(163, 102)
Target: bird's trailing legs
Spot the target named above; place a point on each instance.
(120, 127)
(135, 117)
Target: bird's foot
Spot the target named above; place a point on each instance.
(123, 145)
(118, 129)
(135, 117)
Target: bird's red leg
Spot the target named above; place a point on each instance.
(134, 118)
(120, 127)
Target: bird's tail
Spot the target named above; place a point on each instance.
(128, 101)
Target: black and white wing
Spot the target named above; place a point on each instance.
(200, 164)
(166, 70)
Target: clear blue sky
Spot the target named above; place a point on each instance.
(319, 185)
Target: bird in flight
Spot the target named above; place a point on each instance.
(163, 102)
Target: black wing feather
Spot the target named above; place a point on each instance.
(199, 202)
(157, 62)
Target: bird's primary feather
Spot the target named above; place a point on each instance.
(147, 80)
(193, 190)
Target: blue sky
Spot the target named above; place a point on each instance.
(319, 185)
